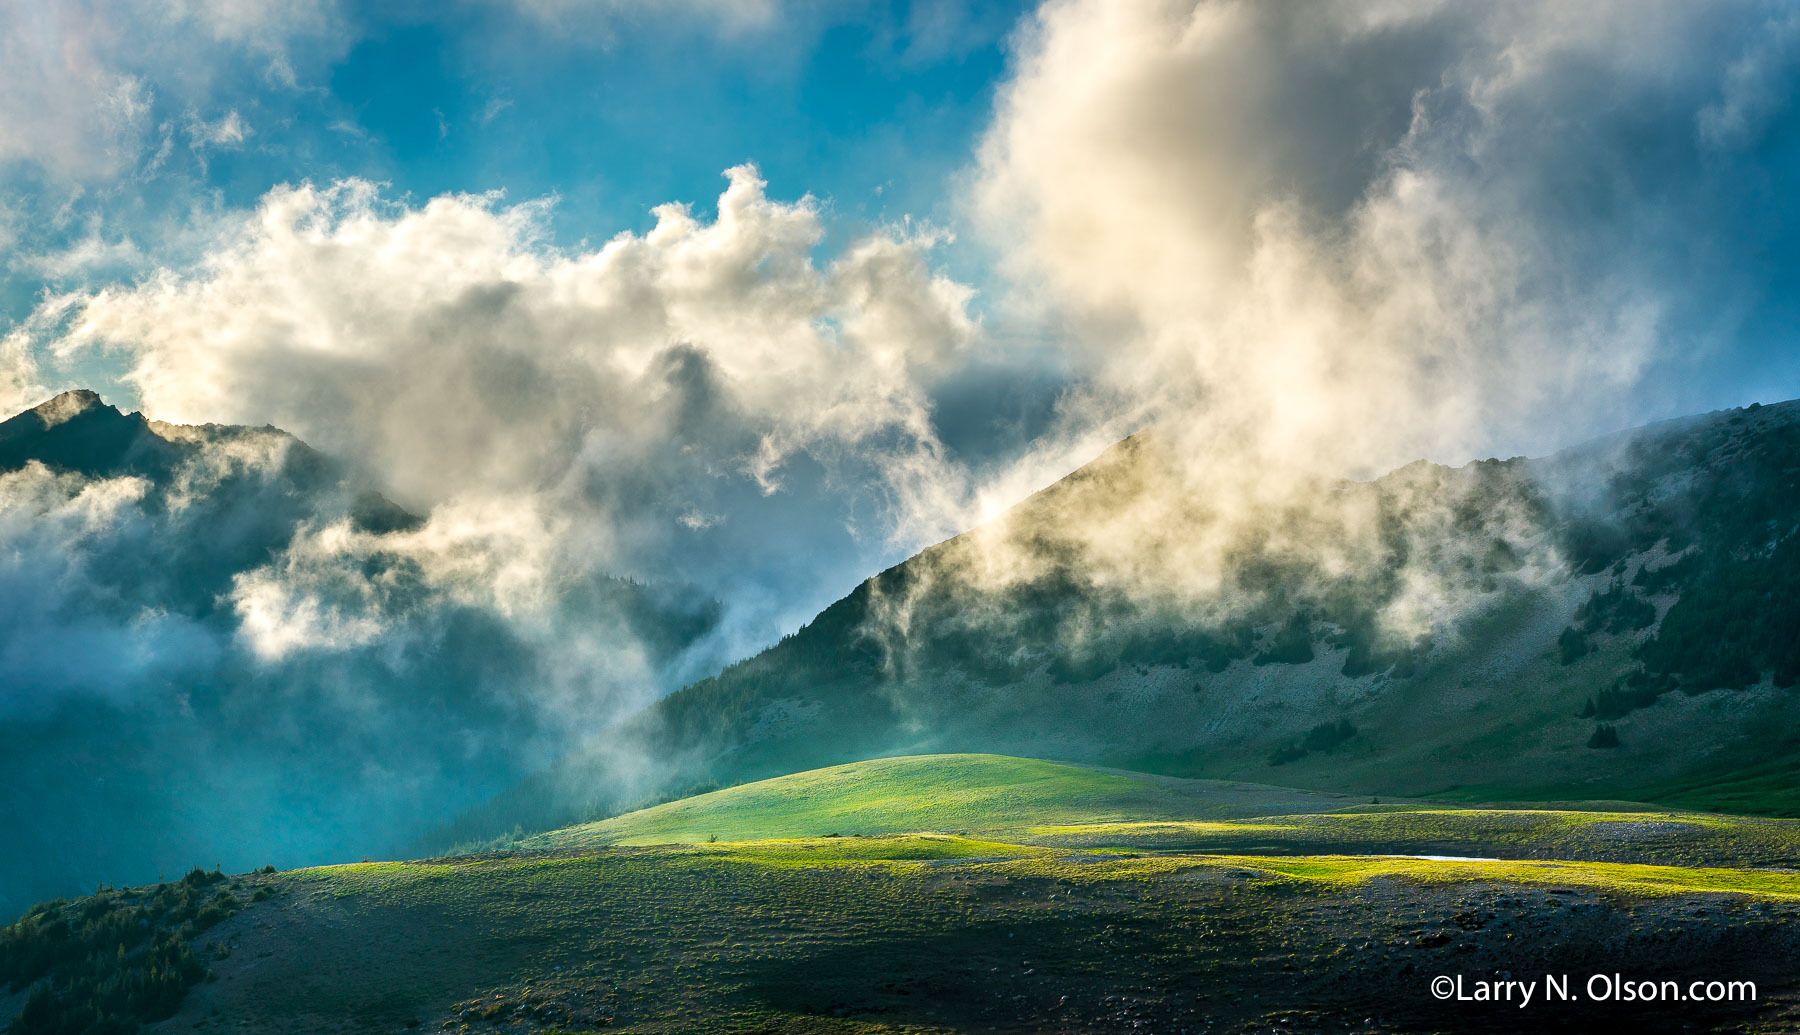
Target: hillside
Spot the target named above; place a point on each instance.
(988, 794)
(1466, 631)
(1028, 801)
(1118, 902)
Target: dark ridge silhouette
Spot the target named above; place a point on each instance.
(78, 433)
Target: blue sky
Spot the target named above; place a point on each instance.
(851, 110)
(869, 107)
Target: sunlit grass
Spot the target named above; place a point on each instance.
(948, 793)
(1021, 801)
(1677, 837)
(1630, 878)
(1327, 872)
(891, 848)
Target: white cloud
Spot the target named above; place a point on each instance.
(448, 348)
(70, 628)
(1345, 235)
(90, 255)
(275, 619)
(621, 394)
(266, 25)
(68, 107)
(227, 131)
(20, 386)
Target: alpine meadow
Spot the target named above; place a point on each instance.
(899, 516)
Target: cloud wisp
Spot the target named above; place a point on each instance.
(85, 79)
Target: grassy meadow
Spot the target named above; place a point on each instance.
(1035, 802)
(985, 893)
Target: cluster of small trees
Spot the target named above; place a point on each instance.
(1738, 577)
(105, 964)
(1734, 621)
(1324, 737)
(1604, 737)
(1616, 609)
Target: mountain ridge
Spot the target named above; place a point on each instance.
(79, 432)
(1560, 575)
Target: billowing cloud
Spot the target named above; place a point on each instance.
(613, 393)
(1326, 239)
(1342, 234)
(19, 386)
(71, 629)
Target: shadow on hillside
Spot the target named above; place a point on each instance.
(1094, 960)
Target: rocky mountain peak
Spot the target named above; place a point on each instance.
(68, 405)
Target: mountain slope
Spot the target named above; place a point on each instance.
(1435, 628)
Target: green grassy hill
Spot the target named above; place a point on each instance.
(947, 793)
(1031, 802)
(960, 893)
